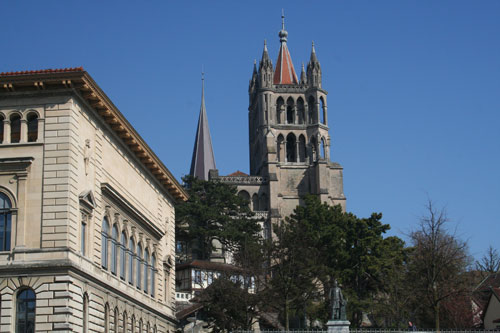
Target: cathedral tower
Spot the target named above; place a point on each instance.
(288, 132)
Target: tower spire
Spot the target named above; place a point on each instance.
(284, 73)
(203, 155)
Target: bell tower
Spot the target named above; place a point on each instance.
(288, 131)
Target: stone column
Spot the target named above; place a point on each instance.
(24, 131)
(318, 118)
(325, 114)
(21, 213)
(41, 129)
(6, 131)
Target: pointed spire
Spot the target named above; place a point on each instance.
(203, 155)
(265, 54)
(313, 54)
(284, 73)
(255, 67)
(302, 75)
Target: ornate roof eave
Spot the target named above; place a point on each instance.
(78, 80)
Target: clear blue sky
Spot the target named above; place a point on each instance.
(414, 87)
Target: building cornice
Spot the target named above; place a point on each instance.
(78, 80)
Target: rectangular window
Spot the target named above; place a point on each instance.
(122, 261)
(197, 277)
(131, 267)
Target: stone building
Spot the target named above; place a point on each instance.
(86, 212)
(288, 138)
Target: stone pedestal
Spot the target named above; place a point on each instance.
(338, 326)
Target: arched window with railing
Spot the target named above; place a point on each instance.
(32, 127)
(104, 242)
(114, 248)
(131, 252)
(25, 311)
(123, 260)
(5, 222)
(15, 128)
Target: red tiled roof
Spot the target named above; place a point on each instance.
(238, 173)
(44, 71)
(284, 72)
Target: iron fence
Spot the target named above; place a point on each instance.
(379, 330)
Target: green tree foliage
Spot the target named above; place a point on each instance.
(228, 306)
(213, 211)
(337, 245)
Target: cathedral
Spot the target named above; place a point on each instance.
(288, 138)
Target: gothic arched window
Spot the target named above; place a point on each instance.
(25, 311)
(32, 127)
(255, 202)
(244, 194)
(131, 251)
(123, 249)
(5, 222)
(323, 110)
(104, 242)
(291, 148)
(280, 149)
(311, 105)
(15, 128)
(279, 109)
(289, 111)
(124, 321)
(301, 111)
(302, 149)
(114, 248)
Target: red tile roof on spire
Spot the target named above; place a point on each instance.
(44, 71)
(284, 72)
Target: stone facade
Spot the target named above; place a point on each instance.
(91, 211)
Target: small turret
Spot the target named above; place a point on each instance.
(265, 69)
(303, 77)
(314, 70)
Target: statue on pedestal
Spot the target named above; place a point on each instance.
(338, 303)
